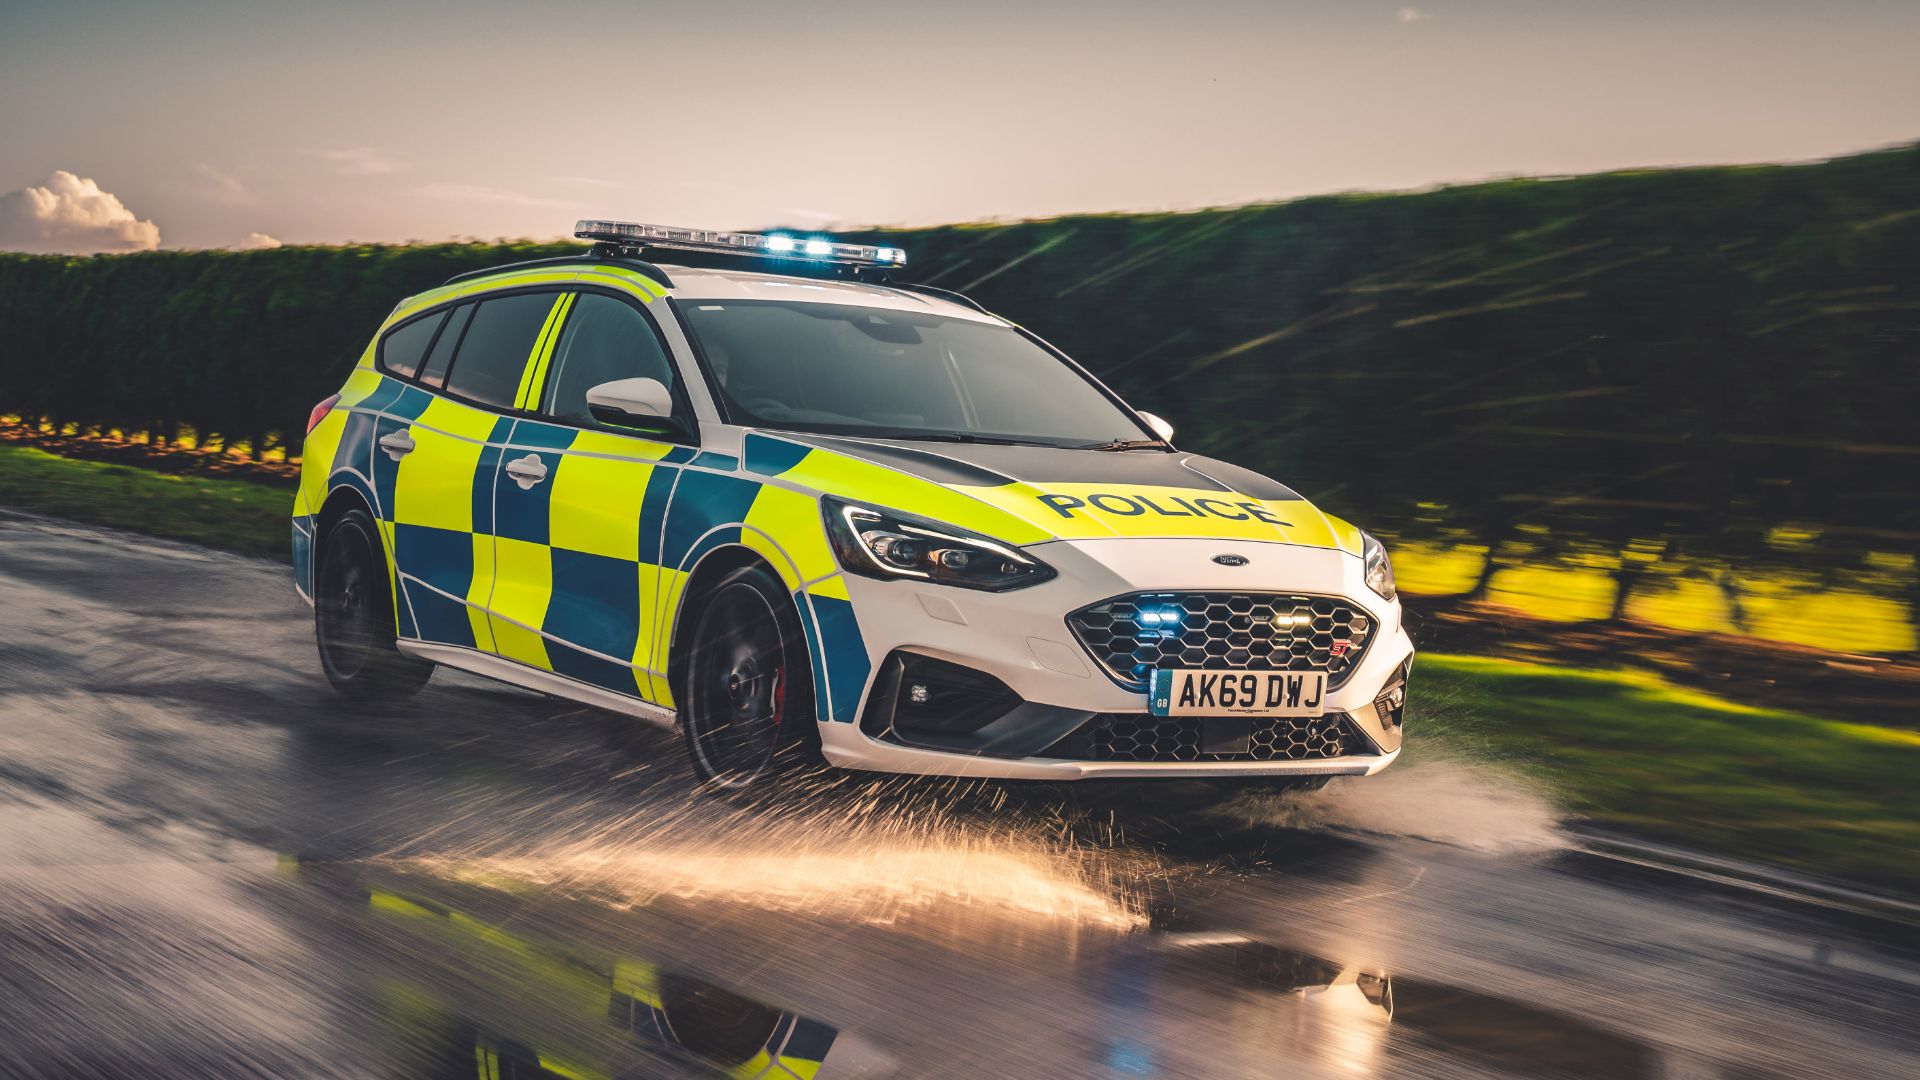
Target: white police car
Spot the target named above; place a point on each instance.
(759, 488)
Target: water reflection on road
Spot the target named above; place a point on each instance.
(209, 866)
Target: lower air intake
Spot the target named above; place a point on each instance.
(1141, 737)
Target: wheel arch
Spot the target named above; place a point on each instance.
(713, 567)
(340, 500)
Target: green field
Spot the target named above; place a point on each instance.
(233, 515)
(1625, 749)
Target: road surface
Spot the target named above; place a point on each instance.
(211, 866)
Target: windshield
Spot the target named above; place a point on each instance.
(848, 370)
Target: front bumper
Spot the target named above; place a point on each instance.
(1022, 639)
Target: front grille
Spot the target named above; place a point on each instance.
(1132, 635)
(1141, 737)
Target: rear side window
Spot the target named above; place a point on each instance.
(403, 348)
(494, 350)
(605, 339)
(434, 371)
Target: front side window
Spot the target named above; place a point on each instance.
(604, 340)
(496, 346)
(841, 369)
(404, 346)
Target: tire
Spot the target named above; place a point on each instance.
(353, 616)
(748, 715)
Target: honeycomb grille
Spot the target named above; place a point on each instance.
(1140, 737)
(1132, 635)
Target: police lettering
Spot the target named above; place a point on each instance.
(1137, 505)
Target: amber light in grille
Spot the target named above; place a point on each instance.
(1133, 635)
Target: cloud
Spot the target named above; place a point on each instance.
(360, 161)
(1411, 14)
(71, 215)
(480, 193)
(257, 241)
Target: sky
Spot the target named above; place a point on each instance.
(247, 123)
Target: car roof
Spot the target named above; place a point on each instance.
(693, 283)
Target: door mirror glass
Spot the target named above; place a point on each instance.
(638, 403)
(1160, 428)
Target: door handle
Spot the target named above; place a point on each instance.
(397, 444)
(527, 471)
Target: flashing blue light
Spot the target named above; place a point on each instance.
(779, 243)
(819, 247)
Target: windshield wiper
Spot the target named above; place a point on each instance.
(1127, 444)
(962, 437)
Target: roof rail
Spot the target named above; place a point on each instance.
(944, 294)
(594, 255)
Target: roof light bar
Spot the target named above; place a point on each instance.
(811, 249)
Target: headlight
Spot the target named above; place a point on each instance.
(883, 544)
(1379, 568)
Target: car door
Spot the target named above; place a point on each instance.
(580, 505)
(443, 438)
(426, 452)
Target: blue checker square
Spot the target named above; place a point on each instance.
(442, 558)
(595, 604)
(703, 501)
(521, 514)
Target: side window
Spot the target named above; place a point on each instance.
(404, 346)
(604, 339)
(494, 351)
(434, 371)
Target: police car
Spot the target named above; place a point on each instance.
(758, 487)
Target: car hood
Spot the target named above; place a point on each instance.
(1031, 494)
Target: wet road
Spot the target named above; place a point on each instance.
(209, 865)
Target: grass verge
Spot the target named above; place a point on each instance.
(234, 515)
(1629, 750)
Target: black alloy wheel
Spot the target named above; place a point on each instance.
(353, 616)
(749, 700)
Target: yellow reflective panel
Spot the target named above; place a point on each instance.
(672, 584)
(595, 506)
(522, 586)
(835, 587)
(637, 979)
(433, 485)
(612, 445)
(618, 277)
(793, 521)
(362, 382)
(889, 489)
(536, 366)
(1092, 511)
(316, 459)
(457, 419)
(800, 1067)
(1345, 535)
(752, 1067)
(395, 904)
(480, 592)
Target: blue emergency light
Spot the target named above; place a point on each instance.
(775, 245)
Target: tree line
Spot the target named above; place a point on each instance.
(1717, 366)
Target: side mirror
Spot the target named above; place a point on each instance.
(646, 404)
(1160, 428)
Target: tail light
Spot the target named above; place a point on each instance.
(320, 412)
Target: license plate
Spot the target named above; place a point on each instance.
(1237, 693)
